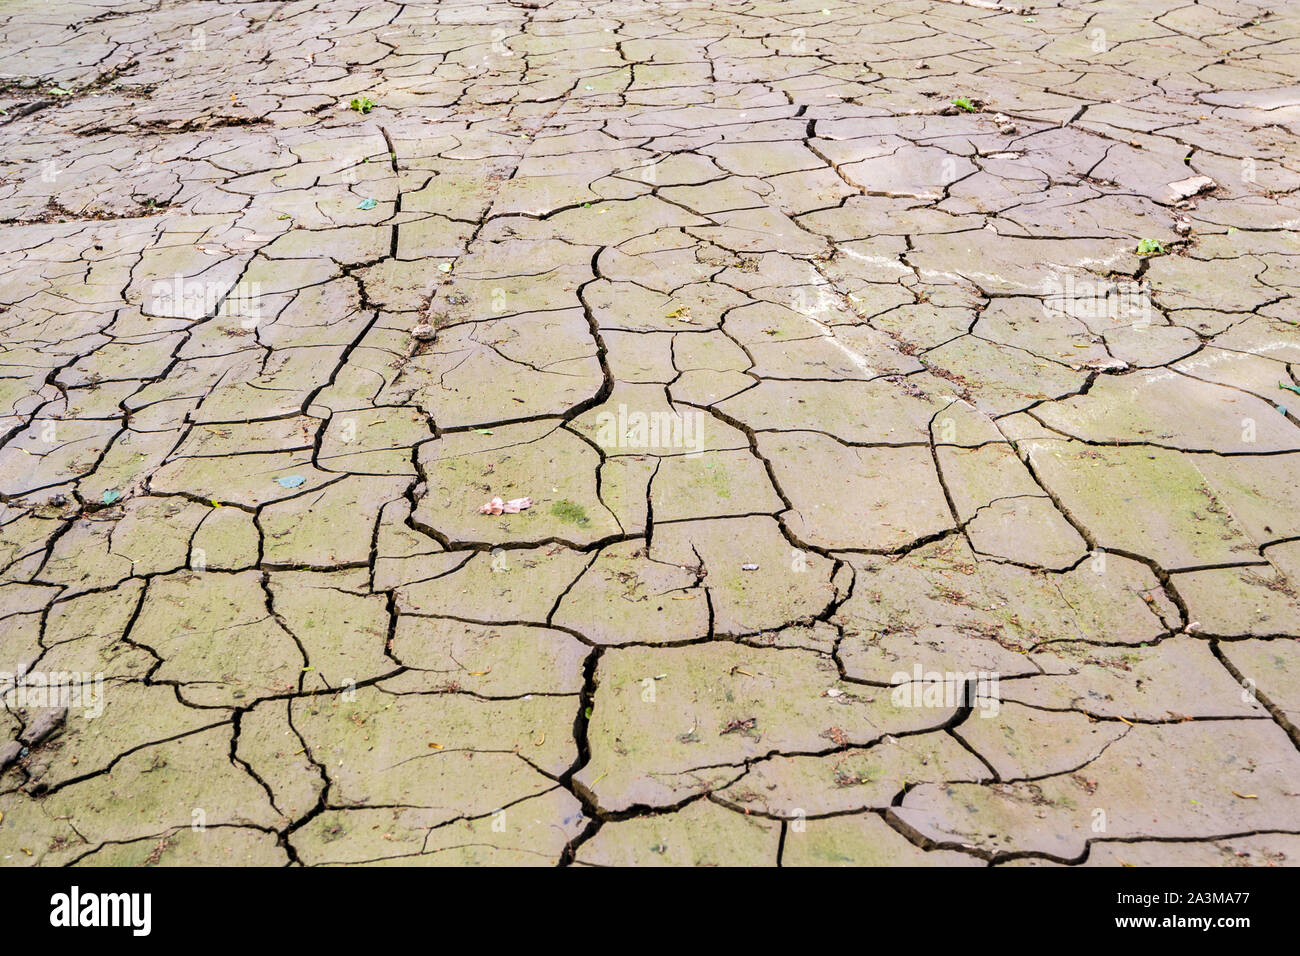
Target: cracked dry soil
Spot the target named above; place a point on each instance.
(815, 379)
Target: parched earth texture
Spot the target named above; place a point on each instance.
(837, 344)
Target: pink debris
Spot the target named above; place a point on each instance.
(496, 506)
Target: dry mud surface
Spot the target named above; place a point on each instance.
(814, 378)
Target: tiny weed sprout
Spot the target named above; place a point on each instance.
(964, 103)
(362, 104)
(1151, 247)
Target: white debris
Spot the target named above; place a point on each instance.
(1187, 188)
(1107, 365)
(512, 507)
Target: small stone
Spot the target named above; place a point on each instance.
(424, 332)
(1187, 188)
(1107, 365)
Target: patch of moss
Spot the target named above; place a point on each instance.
(716, 480)
(570, 511)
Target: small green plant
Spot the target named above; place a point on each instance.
(964, 103)
(1151, 247)
(362, 104)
